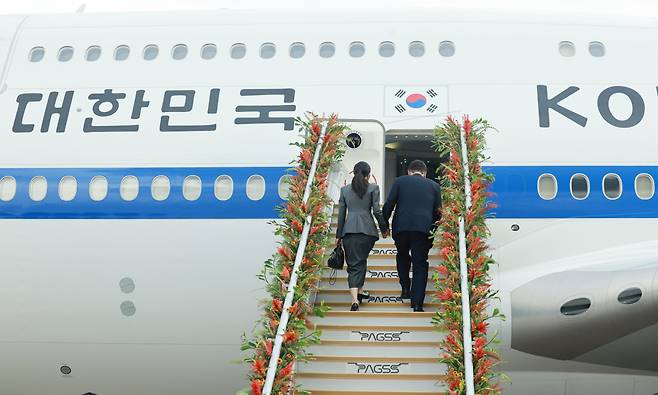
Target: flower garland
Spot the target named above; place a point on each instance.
(278, 269)
(447, 278)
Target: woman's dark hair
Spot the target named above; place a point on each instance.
(359, 182)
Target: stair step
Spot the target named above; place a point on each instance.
(369, 385)
(375, 271)
(392, 284)
(361, 317)
(390, 350)
(376, 296)
(433, 370)
(321, 392)
(387, 306)
(379, 334)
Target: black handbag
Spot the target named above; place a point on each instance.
(337, 258)
(336, 262)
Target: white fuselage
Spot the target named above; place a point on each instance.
(68, 264)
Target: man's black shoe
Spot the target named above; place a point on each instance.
(364, 296)
(405, 294)
(418, 309)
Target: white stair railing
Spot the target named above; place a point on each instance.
(463, 273)
(285, 314)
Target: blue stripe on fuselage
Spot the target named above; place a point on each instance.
(516, 195)
(515, 191)
(239, 206)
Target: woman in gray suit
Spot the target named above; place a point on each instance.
(356, 227)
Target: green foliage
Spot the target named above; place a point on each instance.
(277, 270)
(448, 319)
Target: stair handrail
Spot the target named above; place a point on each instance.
(301, 248)
(463, 274)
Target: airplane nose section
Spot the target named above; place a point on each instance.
(565, 315)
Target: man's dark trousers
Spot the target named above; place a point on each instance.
(418, 244)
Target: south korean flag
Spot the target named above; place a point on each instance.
(415, 101)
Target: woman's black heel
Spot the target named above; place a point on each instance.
(365, 296)
(355, 307)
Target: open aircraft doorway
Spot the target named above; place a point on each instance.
(404, 146)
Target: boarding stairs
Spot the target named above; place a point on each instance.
(384, 348)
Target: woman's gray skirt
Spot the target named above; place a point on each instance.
(357, 247)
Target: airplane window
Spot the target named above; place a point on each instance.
(208, 51)
(284, 187)
(644, 186)
(65, 54)
(179, 52)
(255, 187)
(576, 306)
(98, 188)
(267, 51)
(327, 50)
(357, 49)
(612, 186)
(567, 49)
(547, 186)
(7, 188)
(630, 295)
(93, 53)
(160, 188)
(223, 187)
(192, 188)
(238, 51)
(150, 52)
(121, 52)
(297, 50)
(68, 188)
(596, 49)
(129, 188)
(447, 49)
(579, 186)
(38, 188)
(416, 49)
(36, 54)
(386, 49)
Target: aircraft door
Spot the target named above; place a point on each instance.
(365, 142)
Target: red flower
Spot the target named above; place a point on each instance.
(274, 324)
(446, 251)
(293, 309)
(285, 273)
(258, 366)
(316, 128)
(277, 305)
(443, 270)
(306, 157)
(268, 347)
(297, 226)
(289, 336)
(314, 230)
(284, 252)
(448, 236)
(306, 262)
(481, 327)
(472, 273)
(256, 387)
(285, 372)
(480, 342)
(468, 125)
(446, 294)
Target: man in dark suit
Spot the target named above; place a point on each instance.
(417, 203)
